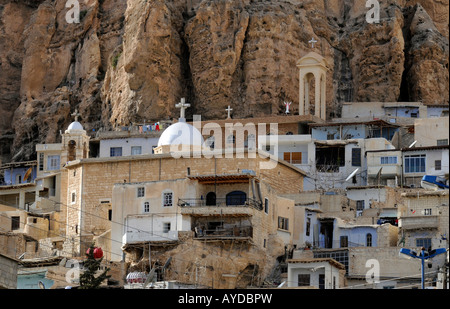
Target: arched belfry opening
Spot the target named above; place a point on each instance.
(71, 150)
(313, 80)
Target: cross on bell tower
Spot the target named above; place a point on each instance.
(182, 106)
(229, 109)
(312, 42)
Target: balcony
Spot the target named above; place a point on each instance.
(236, 206)
(418, 222)
(221, 233)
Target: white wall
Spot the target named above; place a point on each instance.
(126, 144)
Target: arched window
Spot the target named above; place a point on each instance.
(369, 240)
(231, 139)
(211, 199)
(210, 142)
(236, 198)
(146, 207)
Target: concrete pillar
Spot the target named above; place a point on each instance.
(317, 98)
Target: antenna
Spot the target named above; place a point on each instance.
(352, 174)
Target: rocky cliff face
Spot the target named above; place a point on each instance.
(132, 60)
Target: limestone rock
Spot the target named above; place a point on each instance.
(132, 61)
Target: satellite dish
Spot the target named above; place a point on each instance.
(412, 144)
(41, 285)
(352, 174)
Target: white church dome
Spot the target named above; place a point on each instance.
(181, 133)
(75, 126)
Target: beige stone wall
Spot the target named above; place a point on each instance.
(8, 269)
(93, 183)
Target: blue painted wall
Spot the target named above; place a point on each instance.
(11, 175)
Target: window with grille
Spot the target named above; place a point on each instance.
(167, 199)
(146, 207)
(389, 160)
(360, 205)
(53, 163)
(424, 242)
(115, 151)
(41, 161)
(140, 192)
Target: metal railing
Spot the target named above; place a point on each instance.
(220, 202)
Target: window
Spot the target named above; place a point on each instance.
(427, 211)
(424, 242)
(167, 199)
(360, 205)
(251, 141)
(115, 151)
(321, 281)
(369, 240)
(41, 161)
(210, 142)
(74, 197)
(293, 157)
(266, 205)
(437, 165)
(283, 223)
(231, 139)
(330, 136)
(53, 163)
(415, 164)
(136, 150)
(15, 223)
(389, 160)
(166, 227)
(140, 192)
(308, 226)
(442, 142)
(303, 280)
(344, 241)
(413, 115)
(146, 207)
(356, 156)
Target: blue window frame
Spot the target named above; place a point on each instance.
(415, 164)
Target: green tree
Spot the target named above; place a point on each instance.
(89, 278)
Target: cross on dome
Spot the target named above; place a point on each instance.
(76, 115)
(182, 106)
(229, 109)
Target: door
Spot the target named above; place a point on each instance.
(211, 199)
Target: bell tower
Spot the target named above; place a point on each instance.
(312, 66)
(75, 142)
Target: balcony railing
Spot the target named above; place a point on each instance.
(220, 202)
(234, 232)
